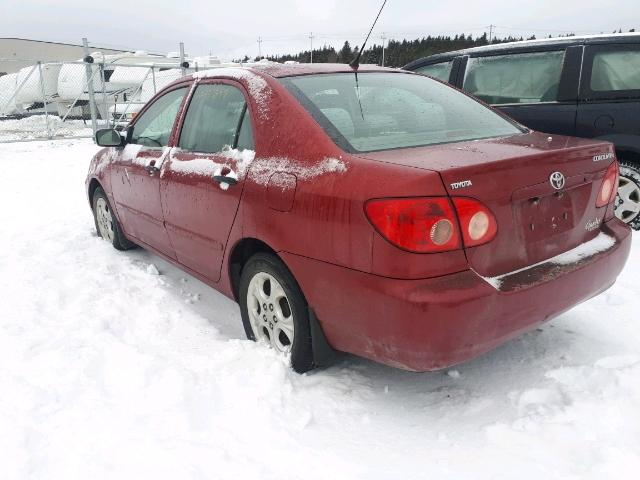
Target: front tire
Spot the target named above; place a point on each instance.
(628, 196)
(107, 225)
(274, 310)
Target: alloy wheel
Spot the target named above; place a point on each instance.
(270, 312)
(627, 200)
(104, 220)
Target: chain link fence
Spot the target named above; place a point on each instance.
(57, 100)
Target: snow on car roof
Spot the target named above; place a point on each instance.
(252, 75)
(278, 70)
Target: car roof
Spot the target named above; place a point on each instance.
(543, 43)
(279, 70)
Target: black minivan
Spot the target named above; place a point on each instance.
(582, 86)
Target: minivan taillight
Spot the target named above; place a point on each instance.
(609, 186)
(477, 222)
(421, 225)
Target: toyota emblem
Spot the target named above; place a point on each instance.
(557, 180)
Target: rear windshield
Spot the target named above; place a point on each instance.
(385, 110)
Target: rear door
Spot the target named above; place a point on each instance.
(135, 177)
(610, 93)
(537, 88)
(215, 144)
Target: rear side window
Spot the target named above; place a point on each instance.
(153, 127)
(213, 119)
(520, 78)
(615, 71)
(441, 71)
(367, 112)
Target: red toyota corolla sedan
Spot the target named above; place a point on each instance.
(375, 212)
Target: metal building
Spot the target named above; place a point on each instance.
(16, 53)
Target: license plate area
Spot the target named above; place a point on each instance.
(549, 215)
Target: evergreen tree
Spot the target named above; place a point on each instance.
(345, 54)
(397, 52)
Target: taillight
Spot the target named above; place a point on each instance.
(609, 186)
(421, 225)
(476, 221)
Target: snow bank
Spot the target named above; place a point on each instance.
(35, 127)
(118, 365)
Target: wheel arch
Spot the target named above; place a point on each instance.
(93, 185)
(242, 251)
(627, 154)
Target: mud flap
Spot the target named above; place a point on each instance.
(323, 354)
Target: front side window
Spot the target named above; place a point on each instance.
(153, 127)
(615, 71)
(381, 111)
(519, 78)
(214, 119)
(441, 71)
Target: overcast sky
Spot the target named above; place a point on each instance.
(231, 28)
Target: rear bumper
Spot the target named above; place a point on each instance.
(431, 324)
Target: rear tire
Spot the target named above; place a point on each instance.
(274, 310)
(628, 196)
(107, 225)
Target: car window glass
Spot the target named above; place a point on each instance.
(153, 127)
(381, 111)
(616, 70)
(520, 78)
(441, 71)
(245, 135)
(213, 118)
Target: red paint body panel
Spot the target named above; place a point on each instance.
(304, 197)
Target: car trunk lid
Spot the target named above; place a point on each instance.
(512, 177)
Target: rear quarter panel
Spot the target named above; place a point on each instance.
(326, 219)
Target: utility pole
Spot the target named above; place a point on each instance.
(491, 27)
(383, 37)
(259, 48)
(311, 37)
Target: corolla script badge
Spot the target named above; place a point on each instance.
(604, 156)
(557, 180)
(462, 184)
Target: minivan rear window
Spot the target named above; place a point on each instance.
(616, 71)
(375, 111)
(525, 78)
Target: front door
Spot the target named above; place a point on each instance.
(215, 144)
(135, 177)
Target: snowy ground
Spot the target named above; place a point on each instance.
(110, 370)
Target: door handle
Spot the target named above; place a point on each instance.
(225, 179)
(225, 176)
(151, 167)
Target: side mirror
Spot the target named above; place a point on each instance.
(108, 137)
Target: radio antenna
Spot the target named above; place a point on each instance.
(355, 63)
